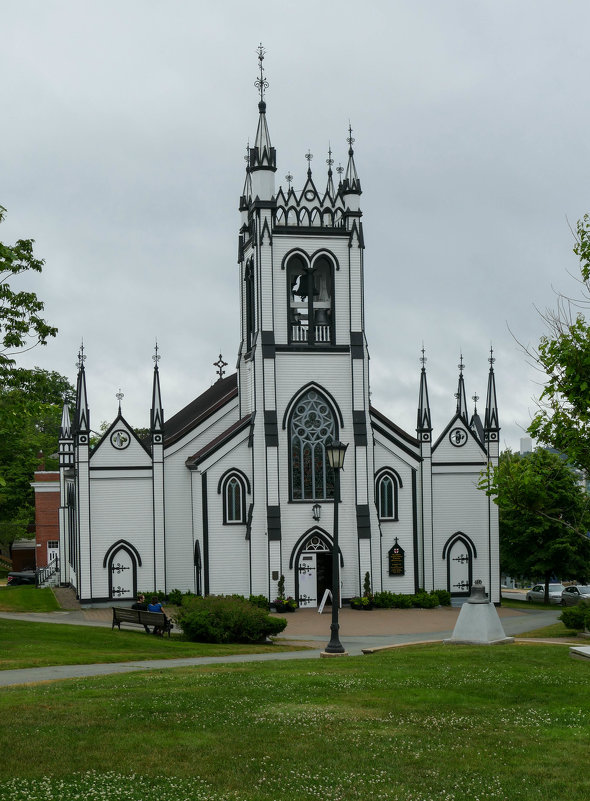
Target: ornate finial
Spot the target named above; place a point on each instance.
(81, 357)
(329, 160)
(423, 358)
(491, 359)
(220, 364)
(340, 170)
(288, 179)
(475, 398)
(119, 396)
(247, 156)
(261, 83)
(461, 364)
(350, 139)
(309, 156)
(156, 357)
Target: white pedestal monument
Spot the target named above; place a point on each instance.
(478, 622)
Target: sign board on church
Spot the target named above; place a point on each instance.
(397, 560)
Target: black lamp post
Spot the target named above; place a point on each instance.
(335, 452)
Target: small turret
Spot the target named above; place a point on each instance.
(424, 424)
(330, 191)
(156, 412)
(263, 158)
(351, 185)
(460, 394)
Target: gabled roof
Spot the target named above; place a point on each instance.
(202, 407)
(458, 419)
(218, 441)
(396, 429)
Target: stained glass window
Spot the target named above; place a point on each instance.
(312, 427)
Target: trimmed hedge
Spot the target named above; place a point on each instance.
(226, 619)
(576, 617)
(393, 600)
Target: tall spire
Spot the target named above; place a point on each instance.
(156, 412)
(330, 185)
(460, 394)
(351, 183)
(82, 417)
(491, 422)
(424, 421)
(262, 155)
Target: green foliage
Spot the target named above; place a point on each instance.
(576, 617)
(367, 585)
(261, 601)
(223, 619)
(563, 419)
(394, 600)
(30, 416)
(281, 589)
(175, 597)
(361, 602)
(425, 600)
(544, 516)
(21, 327)
(444, 597)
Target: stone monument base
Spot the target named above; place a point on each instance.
(478, 622)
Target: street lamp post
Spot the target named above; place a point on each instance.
(335, 453)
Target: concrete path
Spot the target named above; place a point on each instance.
(358, 630)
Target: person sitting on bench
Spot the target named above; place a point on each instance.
(156, 606)
(142, 606)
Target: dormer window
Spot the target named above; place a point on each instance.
(310, 290)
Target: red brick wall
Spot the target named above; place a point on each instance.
(46, 514)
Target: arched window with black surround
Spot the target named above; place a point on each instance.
(310, 288)
(234, 499)
(387, 483)
(312, 427)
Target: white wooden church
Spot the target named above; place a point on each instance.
(234, 490)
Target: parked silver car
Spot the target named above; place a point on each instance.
(537, 593)
(572, 595)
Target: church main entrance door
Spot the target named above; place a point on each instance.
(459, 568)
(314, 573)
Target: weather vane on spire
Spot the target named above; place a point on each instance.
(329, 160)
(491, 359)
(81, 357)
(261, 83)
(156, 357)
(423, 358)
(461, 364)
(220, 364)
(350, 139)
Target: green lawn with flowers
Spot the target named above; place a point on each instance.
(426, 723)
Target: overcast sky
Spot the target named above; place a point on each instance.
(124, 125)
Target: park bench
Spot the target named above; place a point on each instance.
(139, 617)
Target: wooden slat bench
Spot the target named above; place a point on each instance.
(138, 617)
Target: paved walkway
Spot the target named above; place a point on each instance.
(358, 630)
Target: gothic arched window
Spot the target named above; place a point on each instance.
(310, 300)
(312, 428)
(234, 499)
(386, 495)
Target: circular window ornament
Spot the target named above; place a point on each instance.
(458, 437)
(120, 439)
(309, 195)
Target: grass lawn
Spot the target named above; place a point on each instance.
(24, 644)
(427, 723)
(27, 599)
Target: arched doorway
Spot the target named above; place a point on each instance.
(312, 558)
(459, 552)
(121, 562)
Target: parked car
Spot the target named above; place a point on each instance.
(537, 593)
(572, 595)
(16, 577)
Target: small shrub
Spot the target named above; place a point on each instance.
(261, 601)
(226, 619)
(425, 600)
(360, 602)
(444, 597)
(175, 597)
(575, 617)
(286, 605)
(367, 585)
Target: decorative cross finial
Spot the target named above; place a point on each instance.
(491, 359)
(156, 357)
(119, 396)
(475, 398)
(423, 358)
(220, 364)
(261, 83)
(329, 160)
(340, 170)
(461, 364)
(288, 179)
(81, 357)
(350, 139)
(247, 156)
(309, 156)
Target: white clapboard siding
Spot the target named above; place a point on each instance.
(106, 455)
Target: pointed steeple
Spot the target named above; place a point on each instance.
(156, 412)
(262, 155)
(460, 394)
(351, 183)
(424, 424)
(330, 191)
(475, 423)
(82, 416)
(491, 422)
(65, 430)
